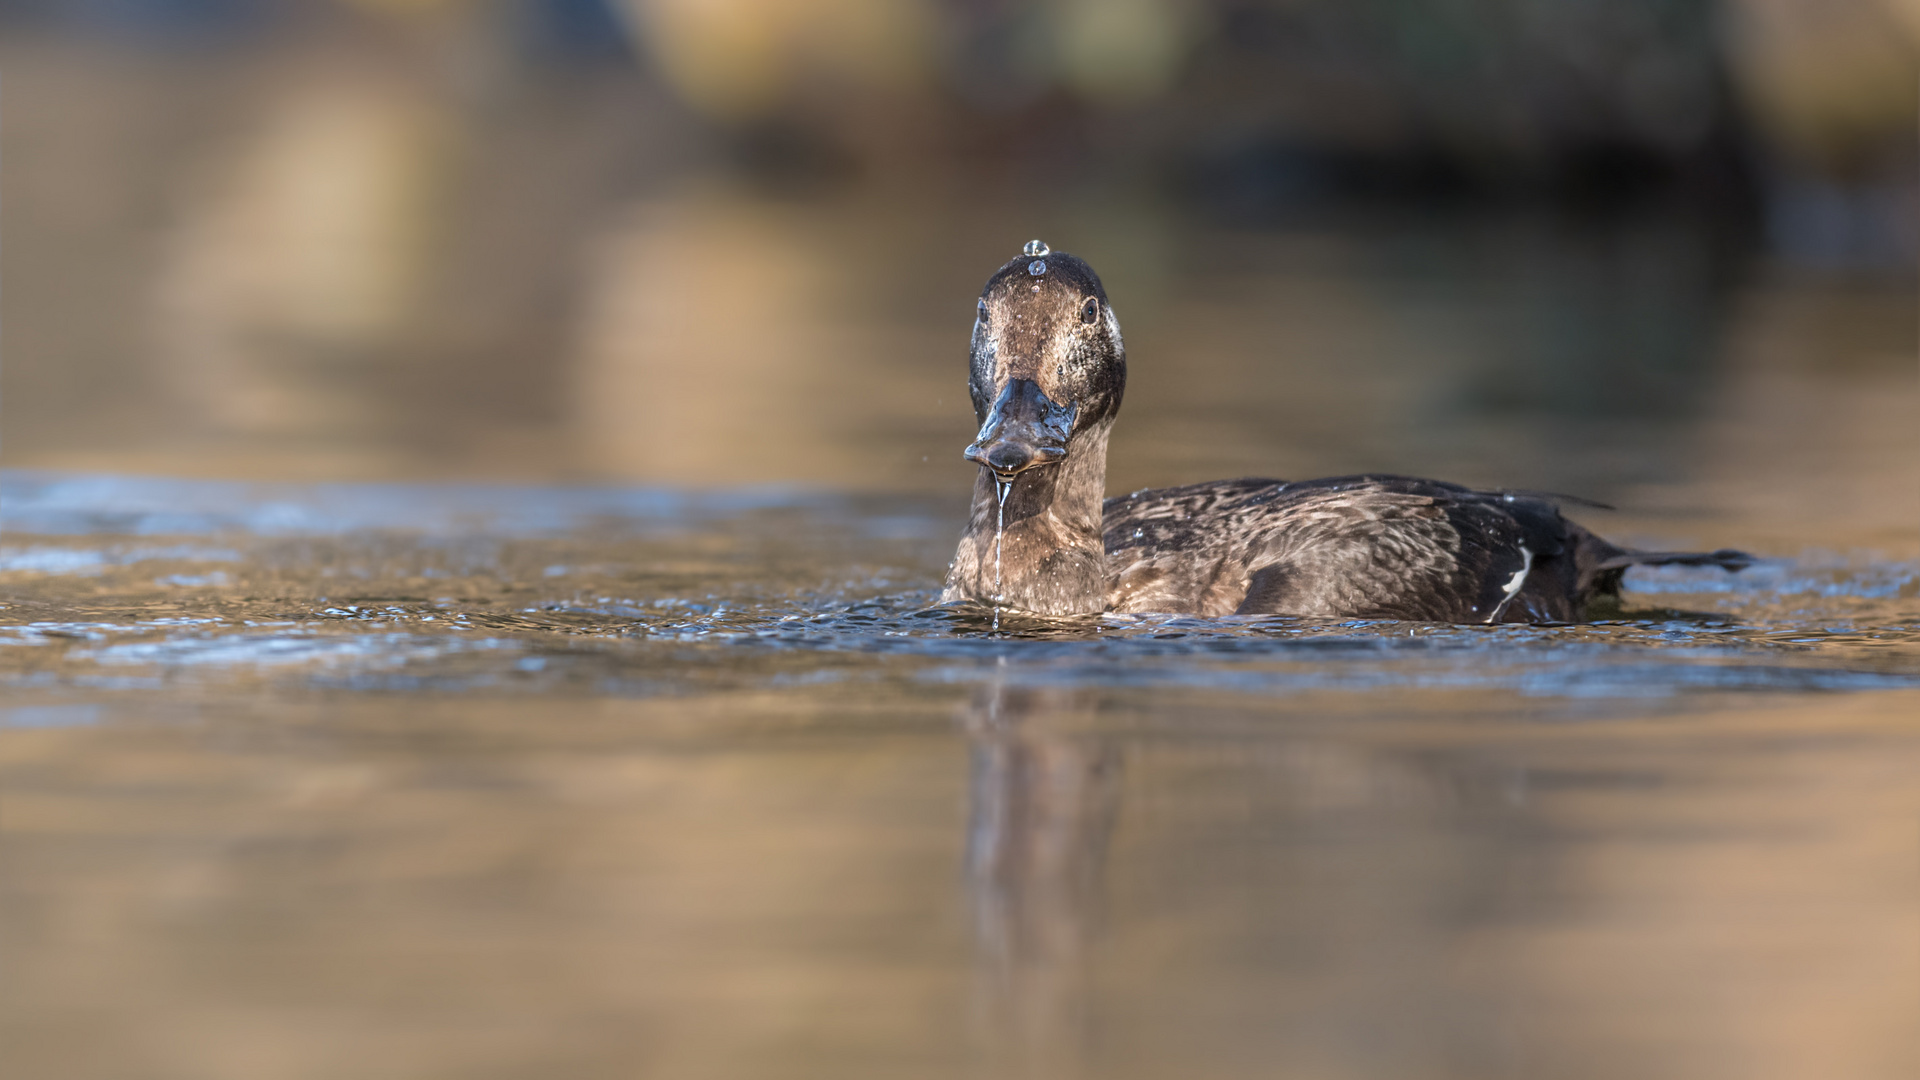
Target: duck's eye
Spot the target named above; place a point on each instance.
(1090, 310)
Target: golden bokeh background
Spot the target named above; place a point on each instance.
(734, 241)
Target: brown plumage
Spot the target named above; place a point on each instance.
(1047, 374)
(1381, 547)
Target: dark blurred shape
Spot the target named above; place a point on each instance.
(1817, 221)
(160, 22)
(1252, 107)
(1250, 104)
(570, 31)
(1248, 107)
(1829, 85)
(1591, 103)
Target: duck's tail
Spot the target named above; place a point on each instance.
(1726, 559)
(1601, 565)
(1602, 577)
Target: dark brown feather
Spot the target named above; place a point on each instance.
(1389, 547)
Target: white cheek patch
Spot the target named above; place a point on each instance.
(1513, 586)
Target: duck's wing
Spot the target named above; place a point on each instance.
(1380, 547)
(1385, 547)
(1175, 550)
(1402, 548)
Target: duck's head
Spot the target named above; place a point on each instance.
(1048, 364)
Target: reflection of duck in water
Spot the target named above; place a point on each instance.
(1048, 371)
(1043, 801)
(1042, 804)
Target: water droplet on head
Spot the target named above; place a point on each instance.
(1037, 267)
(1036, 249)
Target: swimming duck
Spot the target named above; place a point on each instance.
(1048, 370)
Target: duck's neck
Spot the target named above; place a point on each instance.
(1051, 559)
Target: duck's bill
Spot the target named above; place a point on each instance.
(1024, 429)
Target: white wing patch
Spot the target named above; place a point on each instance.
(1513, 587)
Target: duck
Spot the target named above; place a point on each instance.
(1047, 371)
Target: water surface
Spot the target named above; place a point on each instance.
(403, 780)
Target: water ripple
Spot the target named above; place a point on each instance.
(492, 589)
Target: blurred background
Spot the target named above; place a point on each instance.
(702, 242)
(437, 779)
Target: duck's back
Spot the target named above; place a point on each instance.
(1386, 547)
